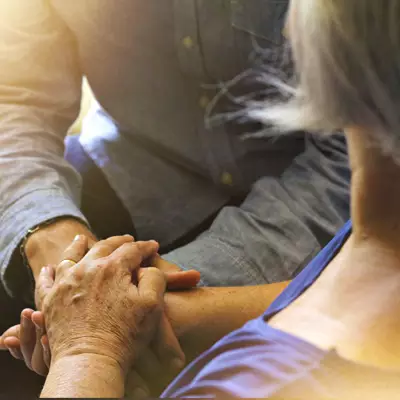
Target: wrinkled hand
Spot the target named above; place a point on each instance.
(93, 307)
(158, 365)
(28, 341)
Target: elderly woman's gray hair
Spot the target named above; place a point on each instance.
(347, 60)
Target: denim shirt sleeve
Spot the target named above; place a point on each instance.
(281, 225)
(40, 85)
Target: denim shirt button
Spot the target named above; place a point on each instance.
(204, 101)
(227, 179)
(188, 42)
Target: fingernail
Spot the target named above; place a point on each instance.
(177, 364)
(15, 353)
(38, 327)
(77, 237)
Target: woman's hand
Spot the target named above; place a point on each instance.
(163, 359)
(91, 306)
(28, 340)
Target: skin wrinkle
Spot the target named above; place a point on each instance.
(351, 252)
(359, 290)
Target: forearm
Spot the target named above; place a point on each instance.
(201, 317)
(38, 184)
(87, 375)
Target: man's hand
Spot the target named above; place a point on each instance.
(178, 279)
(46, 246)
(165, 265)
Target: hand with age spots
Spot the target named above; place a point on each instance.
(28, 341)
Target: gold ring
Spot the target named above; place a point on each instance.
(68, 260)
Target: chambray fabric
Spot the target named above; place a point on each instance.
(166, 150)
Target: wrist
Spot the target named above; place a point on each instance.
(46, 246)
(84, 375)
(185, 311)
(92, 346)
(88, 358)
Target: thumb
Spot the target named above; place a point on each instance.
(182, 280)
(43, 285)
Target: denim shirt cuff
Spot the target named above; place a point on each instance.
(27, 212)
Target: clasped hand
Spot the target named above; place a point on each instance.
(101, 303)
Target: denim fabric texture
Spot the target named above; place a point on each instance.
(166, 150)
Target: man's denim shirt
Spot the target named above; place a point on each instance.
(155, 67)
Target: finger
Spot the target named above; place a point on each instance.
(182, 280)
(153, 370)
(104, 248)
(149, 367)
(44, 284)
(165, 265)
(136, 388)
(38, 320)
(16, 353)
(167, 347)
(91, 243)
(13, 345)
(77, 249)
(152, 284)
(38, 362)
(27, 336)
(149, 262)
(72, 254)
(165, 359)
(175, 281)
(14, 331)
(129, 256)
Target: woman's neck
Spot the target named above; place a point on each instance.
(354, 305)
(375, 192)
